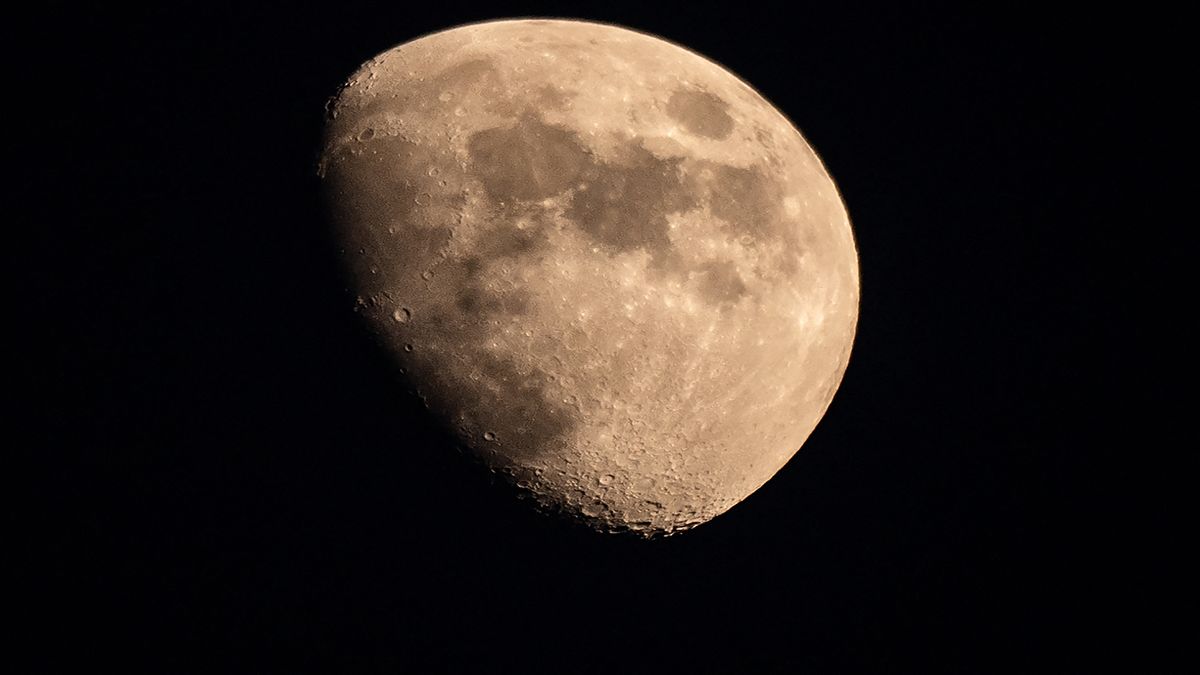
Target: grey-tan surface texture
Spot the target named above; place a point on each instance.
(610, 267)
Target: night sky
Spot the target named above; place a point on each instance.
(229, 479)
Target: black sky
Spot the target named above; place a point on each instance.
(229, 479)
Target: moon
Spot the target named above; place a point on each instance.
(612, 269)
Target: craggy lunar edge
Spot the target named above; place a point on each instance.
(613, 270)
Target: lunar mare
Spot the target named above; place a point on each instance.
(610, 268)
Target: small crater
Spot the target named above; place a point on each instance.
(402, 315)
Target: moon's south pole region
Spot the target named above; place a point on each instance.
(612, 269)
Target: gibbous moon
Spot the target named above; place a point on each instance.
(618, 274)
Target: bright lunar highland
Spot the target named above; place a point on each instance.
(611, 268)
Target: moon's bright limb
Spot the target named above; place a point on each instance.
(611, 268)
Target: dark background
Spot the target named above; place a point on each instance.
(230, 480)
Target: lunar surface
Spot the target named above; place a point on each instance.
(619, 275)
